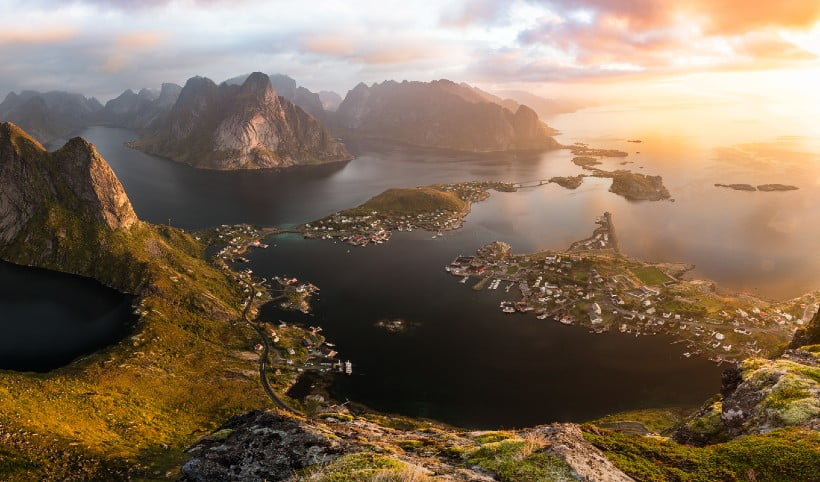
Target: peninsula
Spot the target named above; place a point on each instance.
(591, 284)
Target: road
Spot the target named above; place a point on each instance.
(264, 357)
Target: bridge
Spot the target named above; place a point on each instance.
(532, 183)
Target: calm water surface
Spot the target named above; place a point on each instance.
(48, 319)
(465, 362)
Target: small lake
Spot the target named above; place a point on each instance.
(49, 319)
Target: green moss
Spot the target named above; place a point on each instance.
(357, 467)
(784, 455)
(710, 422)
(657, 420)
(490, 437)
(341, 417)
(221, 434)
(520, 460)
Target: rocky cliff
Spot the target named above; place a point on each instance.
(139, 110)
(49, 115)
(244, 126)
(440, 114)
(75, 177)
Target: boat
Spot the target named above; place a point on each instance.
(464, 280)
(348, 367)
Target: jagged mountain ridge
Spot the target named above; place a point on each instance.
(138, 111)
(440, 114)
(244, 126)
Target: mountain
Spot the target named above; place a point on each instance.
(48, 115)
(330, 100)
(440, 114)
(244, 126)
(138, 110)
(53, 202)
(287, 87)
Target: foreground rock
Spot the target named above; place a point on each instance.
(239, 127)
(339, 446)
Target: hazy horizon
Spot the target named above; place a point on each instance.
(600, 52)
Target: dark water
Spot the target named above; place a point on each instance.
(48, 319)
(465, 362)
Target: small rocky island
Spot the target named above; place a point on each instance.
(761, 187)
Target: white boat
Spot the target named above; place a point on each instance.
(348, 367)
(464, 280)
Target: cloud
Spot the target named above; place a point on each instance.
(141, 40)
(27, 36)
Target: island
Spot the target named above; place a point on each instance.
(592, 285)
(436, 208)
(776, 187)
(761, 187)
(738, 187)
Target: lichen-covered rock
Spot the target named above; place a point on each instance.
(759, 396)
(260, 446)
(567, 442)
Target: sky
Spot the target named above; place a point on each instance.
(708, 51)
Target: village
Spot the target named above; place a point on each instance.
(593, 286)
(294, 349)
(404, 210)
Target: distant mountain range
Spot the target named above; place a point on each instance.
(441, 114)
(249, 123)
(247, 126)
(49, 115)
(138, 111)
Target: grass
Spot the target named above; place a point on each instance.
(410, 201)
(520, 460)
(651, 275)
(365, 467)
(656, 420)
(791, 454)
(135, 406)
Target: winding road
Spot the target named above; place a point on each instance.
(263, 358)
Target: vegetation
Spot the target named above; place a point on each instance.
(520, 460)
(366, 467)
(404, 201)
(791, 454)
(133, 407)
(656, 420)
(651, 275)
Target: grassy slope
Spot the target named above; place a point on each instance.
(785, 455)
(145, 399)
(405, 201)
(175, 377)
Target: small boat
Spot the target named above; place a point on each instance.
(348, 367)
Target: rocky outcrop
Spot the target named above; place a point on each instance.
(759, 396)
(567, 442)
(139, 110)
(244, 126)
(49, 115)
(74, 178)
(440, 114)
(264, 445)
(260, 446)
